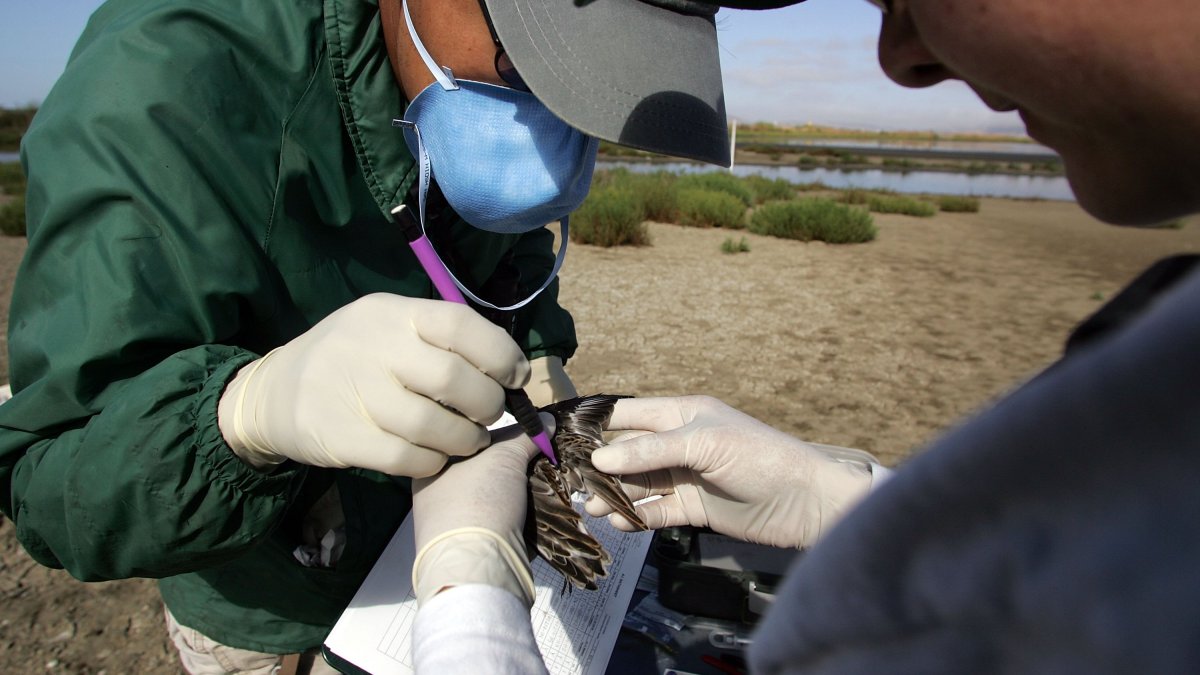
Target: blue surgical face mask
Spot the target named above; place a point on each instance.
(504, 162)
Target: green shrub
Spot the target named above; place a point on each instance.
(608, 149)
(952, 204)
(815, 186)
(655, 191)
(610, 217)
(730, 246)
(907, 206)
(12, 179)
(854, 196)
(903, 164)
(757, 148)
(13, 123)
(602, 178)
(814, 218)
(718, 181)
(12, 218)
(709, 208)
(769, 189)
(861, 197)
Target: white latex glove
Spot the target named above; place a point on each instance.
(548, 382)
(388, 383)
(717, 467)
(469, 519)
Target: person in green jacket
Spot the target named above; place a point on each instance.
(226, 360)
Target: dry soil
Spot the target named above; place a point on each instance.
(879, 346)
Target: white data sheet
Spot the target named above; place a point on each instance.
(575, 630)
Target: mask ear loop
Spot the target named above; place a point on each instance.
(564, 232)
(444, 76)
(425, 175)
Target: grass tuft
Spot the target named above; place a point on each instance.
(731, 246)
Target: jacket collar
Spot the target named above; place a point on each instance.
(369, 97)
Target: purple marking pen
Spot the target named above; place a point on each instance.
(516, 399)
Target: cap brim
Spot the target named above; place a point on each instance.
(622, 70)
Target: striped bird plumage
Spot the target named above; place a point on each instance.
(559, 534)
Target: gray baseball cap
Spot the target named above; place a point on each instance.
(642, 73)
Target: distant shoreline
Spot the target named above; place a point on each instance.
(863, 163)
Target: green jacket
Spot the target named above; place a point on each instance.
(207, 180)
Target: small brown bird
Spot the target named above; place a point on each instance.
(559, 533)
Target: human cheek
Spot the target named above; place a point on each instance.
(989, 48)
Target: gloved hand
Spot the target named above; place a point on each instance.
(719, 468)
(548, 382)
(469, 519)
(388, 383)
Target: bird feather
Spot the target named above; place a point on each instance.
(560, 536)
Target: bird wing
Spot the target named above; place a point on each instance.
(579, 432)
(561, 537)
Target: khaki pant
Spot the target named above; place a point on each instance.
(201, 655)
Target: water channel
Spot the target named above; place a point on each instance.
(912, 182)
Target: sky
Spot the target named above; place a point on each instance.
(813, 62)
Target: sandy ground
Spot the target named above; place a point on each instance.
(879, 346)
